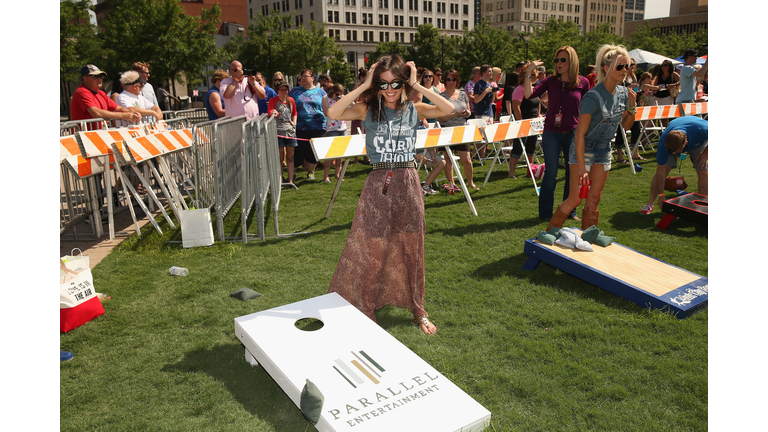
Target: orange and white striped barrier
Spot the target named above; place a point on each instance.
(354, 145)
(512, 130)
(441, 137)
(516, 129)
(329, 148)
(696, 108)
(70, 152)
(657, 112)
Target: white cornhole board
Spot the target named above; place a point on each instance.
(370, 381)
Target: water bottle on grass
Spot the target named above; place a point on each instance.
(178, 271)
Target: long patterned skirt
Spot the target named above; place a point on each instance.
(383, 260)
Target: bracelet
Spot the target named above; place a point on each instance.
(661, 194)
(632, 109)
(414, 83)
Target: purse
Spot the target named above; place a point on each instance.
(78, 302)
(675, 183)
(196, 228)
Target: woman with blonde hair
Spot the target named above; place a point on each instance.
(606, 106)
(565, 89)
(383, 259)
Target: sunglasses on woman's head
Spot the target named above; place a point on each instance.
(394, 84)
(561, 59)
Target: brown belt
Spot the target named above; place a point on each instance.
(387, 165)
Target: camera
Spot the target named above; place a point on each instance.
(249, 72)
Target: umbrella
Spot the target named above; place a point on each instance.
(646, 60)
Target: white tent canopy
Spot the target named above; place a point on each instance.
(645, 60)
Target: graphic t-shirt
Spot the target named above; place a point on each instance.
(392, 138)
(309, 104)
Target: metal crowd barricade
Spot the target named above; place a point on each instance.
(252, 181)
(227, 166)
(274, 168)
(74, 197)
(196, 115)
(261, 173)
(204, 163)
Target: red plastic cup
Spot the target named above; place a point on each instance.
(584, 191)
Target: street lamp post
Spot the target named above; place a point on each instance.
(268, 34)
(526, 38)
(442, 50)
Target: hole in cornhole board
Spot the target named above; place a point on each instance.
(700, 203)
(308, 324)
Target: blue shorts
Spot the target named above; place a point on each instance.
(594, 154)
(286, 142)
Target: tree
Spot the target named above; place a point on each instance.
(484, 45)
(386, 48)
(79, 44)
(287, 50)
(339, 69)
(160, 33)
(426, 50)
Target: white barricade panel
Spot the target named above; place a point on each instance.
(338, 147)
(354, 145)
(69, 151)
(175, 139)
(370, 381)
(697, 108)
(516, 129)
(440, 137)
(143, 148)
(657, 112)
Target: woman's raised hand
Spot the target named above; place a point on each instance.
(369, 76)
(531, 66)
(412, 79)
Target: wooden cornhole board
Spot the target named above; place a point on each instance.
(627, 273)
(692, 206)
(370, 381)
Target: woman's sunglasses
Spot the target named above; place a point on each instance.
(394, 84)
(450, 79)
(621, 67)
(561, 59)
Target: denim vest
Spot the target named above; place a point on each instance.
(602, 134)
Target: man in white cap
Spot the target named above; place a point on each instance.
(89, 101)
(133, 99)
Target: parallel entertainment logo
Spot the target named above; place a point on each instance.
(383, 401)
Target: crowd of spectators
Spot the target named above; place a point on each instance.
(301, 110)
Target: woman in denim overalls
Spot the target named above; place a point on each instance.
(602, 110)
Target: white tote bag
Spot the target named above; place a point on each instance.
(75, 287)
(196, 228)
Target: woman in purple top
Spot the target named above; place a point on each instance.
(565, 89)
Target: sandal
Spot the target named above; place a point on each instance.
(422, 320)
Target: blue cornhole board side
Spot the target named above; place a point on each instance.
(681, 301)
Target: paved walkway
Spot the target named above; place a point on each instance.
(98, 248)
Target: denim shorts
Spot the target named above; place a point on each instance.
(286, 142)
(594, 153)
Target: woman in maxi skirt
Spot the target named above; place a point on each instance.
(383, 260)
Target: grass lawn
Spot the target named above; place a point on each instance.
(542, 350)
